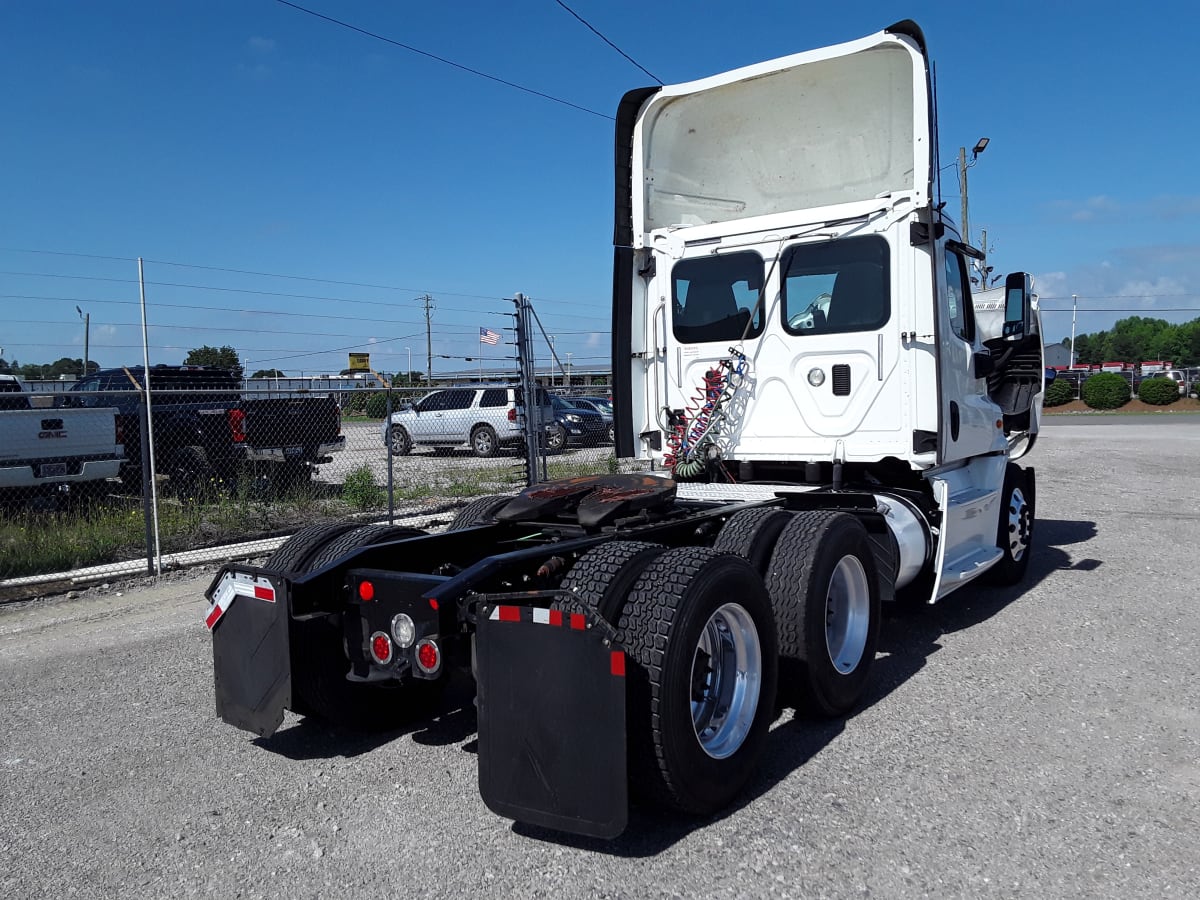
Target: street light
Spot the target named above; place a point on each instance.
(963, 165)
(87, 328)
(409, 349)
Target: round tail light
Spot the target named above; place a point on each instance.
(429, 657)
(381, 648)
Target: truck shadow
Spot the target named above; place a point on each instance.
(311, 738)
(906, 642)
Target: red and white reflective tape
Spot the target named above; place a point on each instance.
(232, 586)
(555, 617)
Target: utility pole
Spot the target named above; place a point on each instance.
(1074, 302)
(980, 146)
(87, 328)
(409, 349)
(428, 338)
(568, 369)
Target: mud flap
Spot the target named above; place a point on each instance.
(551, 697)
(252, 669)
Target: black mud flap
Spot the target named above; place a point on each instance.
(551, 697)
(252, 670)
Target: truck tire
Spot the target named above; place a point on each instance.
(1014, 532)
(362, 536)
(701, 643)
(399, 443)
(294, 554)
(824, 586)
(191, 474)
(479, 511)
(484, 442)
(751, 534)
(603, 577)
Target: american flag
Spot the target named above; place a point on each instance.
(487, 336)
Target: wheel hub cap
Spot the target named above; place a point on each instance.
(847, 614)
(1018, 524)
(726, 680)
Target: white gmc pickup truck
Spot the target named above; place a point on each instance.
(49, 451)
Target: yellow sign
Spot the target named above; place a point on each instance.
(360, 362)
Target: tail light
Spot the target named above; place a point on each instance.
(429, 656)
(237, 425)
(512, 414)
(381, 648)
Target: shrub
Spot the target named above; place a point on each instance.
(1107, 390)
(358, 401)
(1158, 391)
(377, 406)
(360, 489)
(1059, 392)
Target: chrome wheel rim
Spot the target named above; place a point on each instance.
(726, 680)
(1018, 524)
(556, 439)
(847, 614)
(397, 441)
(483, 441)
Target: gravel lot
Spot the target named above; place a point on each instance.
(1040, 741)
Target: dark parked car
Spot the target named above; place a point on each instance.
(204, 429)
(574, 425)
(601, 405)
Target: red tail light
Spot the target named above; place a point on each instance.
(381, 648)
(512, 414)
(429, 656)
(237, 425)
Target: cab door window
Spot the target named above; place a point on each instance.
(958, 297)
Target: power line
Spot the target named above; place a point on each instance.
(607, 41)
(443, 60)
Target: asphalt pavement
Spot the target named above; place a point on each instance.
(1039, 741)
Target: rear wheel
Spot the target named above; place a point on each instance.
(399, 443)
(484, 442)
(362, 536)
(191, 474)
(294, 554)
(1014, 533)
(823, 584)
(700, 636)
(605, 574)
(480, 511)
(751, 534)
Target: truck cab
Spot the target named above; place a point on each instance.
(791, 304)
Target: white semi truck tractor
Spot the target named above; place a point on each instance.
(831, 426)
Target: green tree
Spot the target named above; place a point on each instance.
(220, 357)
(268, 373)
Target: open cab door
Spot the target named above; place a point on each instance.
(1009, 325)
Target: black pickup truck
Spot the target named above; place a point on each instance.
(205, 431)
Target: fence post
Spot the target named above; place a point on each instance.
(147, 498)
(387, 444)
(530, 400)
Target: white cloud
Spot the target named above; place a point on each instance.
(261, 45)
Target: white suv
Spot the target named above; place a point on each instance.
(483, 416)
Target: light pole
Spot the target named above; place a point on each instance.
(963, 165)
(568, 369)
(1074, 301)
(87, 328)
(409, 349)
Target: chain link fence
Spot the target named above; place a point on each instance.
(200, 469)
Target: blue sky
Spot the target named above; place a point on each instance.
(245, 135)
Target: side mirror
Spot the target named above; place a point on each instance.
(1018, 303)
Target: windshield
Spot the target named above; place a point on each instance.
(714, 296)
